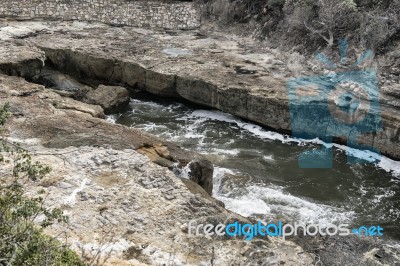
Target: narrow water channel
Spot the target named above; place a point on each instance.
(272, 184)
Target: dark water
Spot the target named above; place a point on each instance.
(359, 194)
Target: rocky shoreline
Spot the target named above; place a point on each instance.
(136, 208)
(209, 69)
(123, 208)
(213, 71)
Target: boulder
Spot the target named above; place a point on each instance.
(201, 172)
(113, 99)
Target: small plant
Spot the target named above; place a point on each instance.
(22, 218)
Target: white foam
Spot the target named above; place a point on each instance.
(268, 158)
(272, 201)
(150, 127)
(182, 172)
(362, 190)
(386, 194)
(385, 163)
(366, 155)
(224, 117)
(219, 172)
(145, 103)
(111, 119)
(232, 152)
(192, 135)
(389, 165)
(245, 206)
(263, 200)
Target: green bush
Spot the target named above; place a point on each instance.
(44, 250)
(22, 218)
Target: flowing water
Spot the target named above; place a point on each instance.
(272, 183)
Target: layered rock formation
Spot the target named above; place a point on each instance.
(123, 207)
(210, 70)
(126, 210)
(111, 98)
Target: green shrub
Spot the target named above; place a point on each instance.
(22, 218)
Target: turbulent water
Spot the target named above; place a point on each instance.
(359, 194)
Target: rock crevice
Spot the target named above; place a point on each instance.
(268, 107)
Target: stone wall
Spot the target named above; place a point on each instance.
(171, 15)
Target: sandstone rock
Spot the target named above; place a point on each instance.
(159, 154)
(122, 205)
(69, 104)
(260, 97)
(112, 99)
(161, 84)
(115, 212)
(49, 117)
(201, 172)
(20, 60)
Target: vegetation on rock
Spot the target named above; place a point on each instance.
(306, 25)
(23, 218)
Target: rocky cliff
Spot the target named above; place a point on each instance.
(124, 208)
(229, 74)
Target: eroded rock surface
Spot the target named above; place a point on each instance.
(113, 99)
(123, 208)
(121, 203)
(201, 172)
(61, 122)
(226, 73)
(137, 213)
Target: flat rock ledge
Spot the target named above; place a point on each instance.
(136, 213)
(123, 206)
(211, 69)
